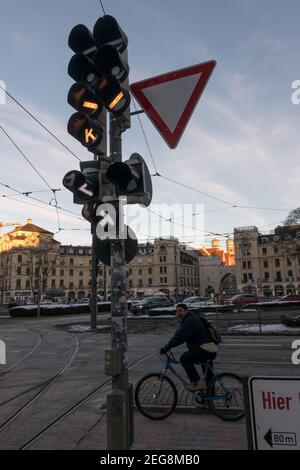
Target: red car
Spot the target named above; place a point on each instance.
(290, 298)
(243, 299)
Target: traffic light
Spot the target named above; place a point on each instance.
(132, 179)
(100, 70)
(84, 184)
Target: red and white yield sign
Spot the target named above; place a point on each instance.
(170, 99)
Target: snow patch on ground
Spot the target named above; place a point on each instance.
(275, 328)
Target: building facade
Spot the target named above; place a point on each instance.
(268, 263)
(33, 263)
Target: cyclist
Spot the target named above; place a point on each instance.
(194, 333)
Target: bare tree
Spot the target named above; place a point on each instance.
(42, 259)
(4, 270)
(293, 218)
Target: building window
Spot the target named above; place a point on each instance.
(53, 283)
(275, 249)
(19, 271)
(71, 285)
(71, 274)
(165, 259)
(161, 269)
(161, 280)
(27, 284)
(250, 276)
(19, 258)
(71, 261)
(149, 270)
(62, 272)
(130, 271)
(165, 280)
(140, 272)
(81, 283)
(165, 269)
(61, 283)
(277, 263)
(28, 271)
(249, 264)
(290, 275)
(140, 282)
(245, 278)
(162, 249)
(266, 264)
(288, 262)
(264, 250)
(53, 272)
(278, 276)
(244, 264)
(18, 284)
(80, 273)
(267, 276)
(150, 281)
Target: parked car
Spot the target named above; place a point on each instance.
(149, 303)
(243, 299)
(224, 298)
(290, 298)
(196, 302)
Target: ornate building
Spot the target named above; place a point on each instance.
(268, 263)
(33, 263)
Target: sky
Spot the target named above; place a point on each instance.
(241, 145)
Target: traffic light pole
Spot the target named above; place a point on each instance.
(93, 299)
(119, 400)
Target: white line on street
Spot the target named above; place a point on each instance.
(265, 345)
(252, 362)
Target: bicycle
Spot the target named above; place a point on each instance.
(156, 395)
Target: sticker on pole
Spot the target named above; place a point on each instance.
(170, 99)
(275, 412)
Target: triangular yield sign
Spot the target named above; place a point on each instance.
(170, 99)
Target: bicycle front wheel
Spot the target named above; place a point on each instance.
(226, 397)
(156, 396)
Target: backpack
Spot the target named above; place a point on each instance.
(213, 333)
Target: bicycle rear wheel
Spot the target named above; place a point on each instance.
(226, 397)
(156, 396)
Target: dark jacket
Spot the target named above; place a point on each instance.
(192, 332)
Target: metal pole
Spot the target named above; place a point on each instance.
(119, 422)
(93, 298)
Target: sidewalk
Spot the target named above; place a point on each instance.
(185, 431)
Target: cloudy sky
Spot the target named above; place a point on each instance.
(242, 143)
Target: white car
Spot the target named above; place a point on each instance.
(196, 302)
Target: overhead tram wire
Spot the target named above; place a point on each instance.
(231, 205)
(102, 7)
(35, 199)
(46, 208)
(26, 158)
(37, 171)
(146, 140)
(40, 123)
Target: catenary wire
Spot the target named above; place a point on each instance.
(40, 123)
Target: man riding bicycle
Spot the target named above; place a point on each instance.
(195, 334)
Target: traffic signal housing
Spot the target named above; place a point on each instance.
(84, 184)
(100, 71)
(132, 179)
